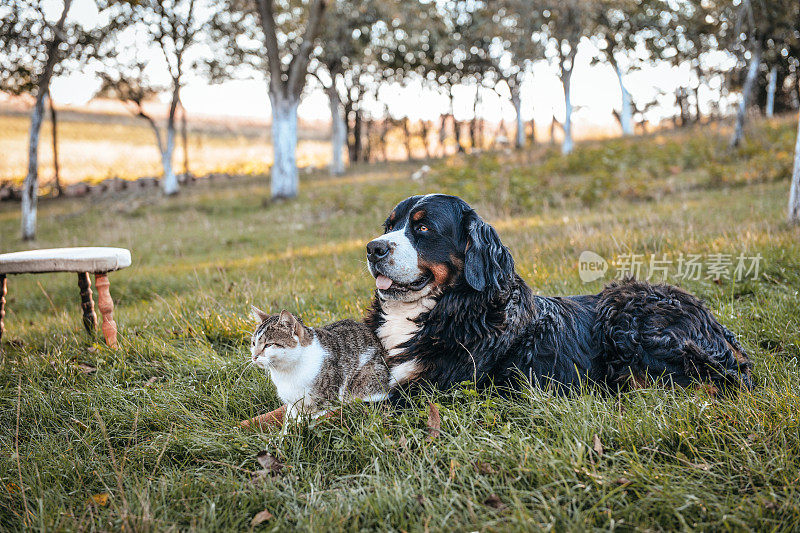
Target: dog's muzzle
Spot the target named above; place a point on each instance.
(394, 263)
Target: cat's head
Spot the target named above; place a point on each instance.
(276, 340)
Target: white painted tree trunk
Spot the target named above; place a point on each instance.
(516, 101)
(794, 191)
(169, 182)
(626, 113)
(30, 188)
(284, 143)
(338, 132)
(752, 71)
(567, 145)
(772, 85)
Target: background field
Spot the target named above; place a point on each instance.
(94, 146)
(166, 403)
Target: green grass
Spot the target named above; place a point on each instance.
(672, 459)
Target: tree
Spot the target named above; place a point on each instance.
(794, 190)
(765, 26)
(618, 25)
(514, 25)
(449, 47)
(29, 39)
(19, 69)
(130, 84)
(345, 59)
(174, 28)
(275, 37)
(564, 25)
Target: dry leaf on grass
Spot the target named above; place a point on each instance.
(260, 518)
(151, 381)
(99, 499)
(597, 446)
(434, 421)
(84, 368)
(495, 502)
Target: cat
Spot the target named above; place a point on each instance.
(314, 369)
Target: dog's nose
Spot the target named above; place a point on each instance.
(377, 250)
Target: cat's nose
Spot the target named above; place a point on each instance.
(377, 250)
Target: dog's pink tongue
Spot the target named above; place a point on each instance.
(382, 282)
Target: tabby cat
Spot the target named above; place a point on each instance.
(315, 369)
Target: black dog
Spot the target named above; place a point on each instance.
(449, 307)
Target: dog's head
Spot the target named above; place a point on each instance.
(435, 242)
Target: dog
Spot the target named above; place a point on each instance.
(449, 307)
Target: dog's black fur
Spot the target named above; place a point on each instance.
(488, 326)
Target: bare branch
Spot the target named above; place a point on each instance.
(299, 65)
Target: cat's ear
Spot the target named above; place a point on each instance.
(288, 319)
(258, 314)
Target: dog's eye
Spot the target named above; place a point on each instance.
(422, 228)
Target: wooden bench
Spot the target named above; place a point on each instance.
(96, 260)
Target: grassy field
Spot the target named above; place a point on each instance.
(145, 437)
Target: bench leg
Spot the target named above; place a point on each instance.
(106, 305)
(2, 304)
(87, 304)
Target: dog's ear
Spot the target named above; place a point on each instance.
(258, 314)
(487, 262)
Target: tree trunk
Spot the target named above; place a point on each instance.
(442, 135)
(568, 145)
(367, 156)
(338, 131)
(407, 139)
(425, 130)
(458, 133)
(752, 72)
(771, 87)
(473, 124)
(385, 125)
(626, 113)
(54, 124)
(185, 142)
(284, 143)
(533, 131)
(354, 147)
(794, 191)
(30, 188)
(682, 96)
(169, 182)
(516, 101)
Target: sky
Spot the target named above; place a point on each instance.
(595, 89)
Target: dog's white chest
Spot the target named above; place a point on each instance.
(399, 325)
